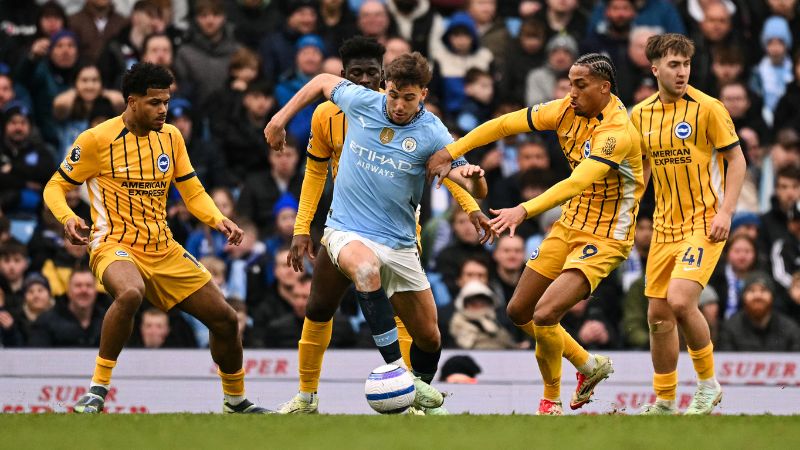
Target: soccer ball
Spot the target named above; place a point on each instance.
(390, 389)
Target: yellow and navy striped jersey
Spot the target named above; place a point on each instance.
(128, 179)
(609, 206)
(684, 141)
(328, 129)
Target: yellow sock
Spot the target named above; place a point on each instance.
(102, 370)
(574, 352)
(232, 383)
(314, 341)
(404, 339)
(528, 329)
(703, 361)
(549, 348)
(665, 385)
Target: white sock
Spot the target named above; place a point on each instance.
(587, 367)
(400, 363)
(104, 386)
(307, 396)
(234, 400)
(711, 383)
(671, 404)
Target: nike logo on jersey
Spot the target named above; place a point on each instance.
(649, 133)
(122, 169)
(687, 269)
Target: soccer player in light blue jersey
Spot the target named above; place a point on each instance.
(370, 233)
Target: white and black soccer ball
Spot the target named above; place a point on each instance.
(390, 389)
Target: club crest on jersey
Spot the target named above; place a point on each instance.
(386, 135)
(535, 253)
(121, 253)
(75, 154)
(163, 163)
(409, 144)
(587, 148)
(683, 130)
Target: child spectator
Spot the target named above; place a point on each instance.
(460, 52)
(476, 109)
(474, 324)
(205, 241)
(154, 328)
(728, 280)
(216, 267)
(540, 82)
(307, 64)
(775, 70)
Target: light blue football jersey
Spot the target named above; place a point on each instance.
(382, 168)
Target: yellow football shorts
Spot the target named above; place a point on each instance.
(169, 275)
(693, 258)
(567, 248)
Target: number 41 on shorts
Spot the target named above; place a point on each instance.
(689, 257)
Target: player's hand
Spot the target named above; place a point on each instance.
(275, 136)
(231, 231)
(439, 166)
(508, 218)
(76, 231)
(471, 171)
(482, 226)
(720, 227)
(301, 246)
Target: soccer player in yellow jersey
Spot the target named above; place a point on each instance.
(686, 136)
(128, 164)
(362, 59)
(594, 235)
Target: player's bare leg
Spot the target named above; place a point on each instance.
(208, 305)
(124, 282)
(664, 353)
(328, 285)
(683, 297)
(567, 290)
(591, 368)
(417, 310)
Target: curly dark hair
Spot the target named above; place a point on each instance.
(360, 47)
(143, 76)
(411, 69)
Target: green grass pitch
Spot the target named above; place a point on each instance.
(194, 431)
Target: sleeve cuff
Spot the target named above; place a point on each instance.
(728, 147)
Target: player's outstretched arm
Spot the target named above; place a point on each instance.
(320, 85)
(734, 178)
(493, 130)
(586, 173)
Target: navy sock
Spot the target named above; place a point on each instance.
(380, 317)
(424, 363)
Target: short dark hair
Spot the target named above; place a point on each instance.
(13, 247)
(410, 69)
(661, 45)
(728, 55)
(791, 172)
(143, 76)
(360, 47)
(215, 7)
(152, 36)
(474, 74)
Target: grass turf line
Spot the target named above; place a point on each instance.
(56, 431)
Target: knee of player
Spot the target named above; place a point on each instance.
(682, 306)
(367, 273)
(131, 296)
(226, 324)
